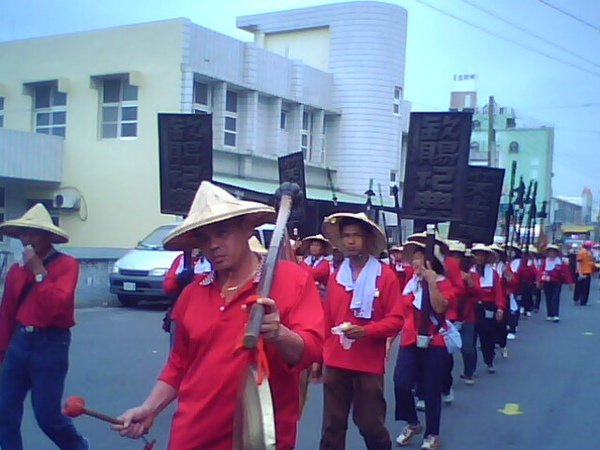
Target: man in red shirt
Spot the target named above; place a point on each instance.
(317, 248)
(36, 314)
(362, 310)
(207, 364)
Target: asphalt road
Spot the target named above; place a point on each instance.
(552, 373)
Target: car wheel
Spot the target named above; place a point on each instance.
(128, 300)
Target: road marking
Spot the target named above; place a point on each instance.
(588, 333)
(511, 409)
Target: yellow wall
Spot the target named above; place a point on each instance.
(118, 178)
(311, 46)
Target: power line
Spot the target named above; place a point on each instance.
(572, 16)
(531, 33)
(512, 41)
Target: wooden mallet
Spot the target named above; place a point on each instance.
(75, 407)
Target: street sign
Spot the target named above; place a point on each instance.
(185, 159)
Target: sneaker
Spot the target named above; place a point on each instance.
(448, 398)
(504, 352)
(469, 381)
(549, 319)
(420, 405)
(409, 432)
(528, 314)
(431, 442)
(511, 336)
(556, 319)
(491, 369)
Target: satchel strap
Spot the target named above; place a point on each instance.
(27, 288)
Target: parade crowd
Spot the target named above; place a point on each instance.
(339, 302)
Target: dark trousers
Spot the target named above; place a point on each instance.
(448, 380)
(38, 362)
(487, 330)
(469, 348)
(536, 297)
(432, 362)
(364, 392)
(552, 293)
(527, 297)
(582, 289)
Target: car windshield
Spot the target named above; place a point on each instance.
(154, 240)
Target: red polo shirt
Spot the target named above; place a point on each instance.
(206, 366)
(368, 353)
(493, 294)
(320, 271)
(50, 303)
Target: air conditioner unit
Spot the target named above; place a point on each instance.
(67, 200)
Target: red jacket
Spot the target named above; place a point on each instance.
(494, 293)
(560, 273)
(50, 303)
(404, 272)
(412, 316)
(206, 364)
(320, 272)
(368, 353)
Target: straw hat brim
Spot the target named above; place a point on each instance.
(327, 247)
(13, 228)
(331, 230)
(422, 237)
(184, 237)
(411, 246)
(482, 249)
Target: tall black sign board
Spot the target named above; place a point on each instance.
(436, 166)
(291, 169)
(482, 200)
(185, 158)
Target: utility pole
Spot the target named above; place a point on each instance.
(491, 135)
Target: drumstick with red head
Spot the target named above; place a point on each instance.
(75, 407)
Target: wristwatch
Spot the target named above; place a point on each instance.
(39, 277)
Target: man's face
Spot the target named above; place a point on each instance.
(480, 258)
(354, 239)
(315, 248)
(39, 240)
(418, 261)
(225, 244)
(396, 256)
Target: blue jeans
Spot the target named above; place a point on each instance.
(469, 349)
(36, 361)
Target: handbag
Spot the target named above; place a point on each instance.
(451, 336)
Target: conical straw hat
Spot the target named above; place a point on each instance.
(327, 249)
(256, 246)
(212, 205)
(37, 218)
(331, 231)
(422, 237)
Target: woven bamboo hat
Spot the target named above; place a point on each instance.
(37, 218)
(422, 238)
(331, 230)
(481, 248)
(256, 246)
(456, 246)
(327, 248)
(213, 205)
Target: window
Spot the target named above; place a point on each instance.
(306, 134)
(474, 146)
(513, 147)
(393, 181)
(119, 109)
(1, 112)
(397, 100)
(202, 98)
(231, 115)
(476, 124)
(283, 119)
(49, 109)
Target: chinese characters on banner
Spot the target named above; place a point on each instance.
(482, 199)
(436, 166)
(291, 169)
(185, 158)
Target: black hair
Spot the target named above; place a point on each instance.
(346, 221)
(436, 264)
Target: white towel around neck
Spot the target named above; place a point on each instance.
(364, 288)
(515, 264)
(414, 287)
(552, 263)
(309, 261)
(487, 280)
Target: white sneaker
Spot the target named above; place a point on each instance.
(549, 319)
(511, 336)
(420, 405)
(407, 435)
(528, 314)
(431, 443)
(556, 319)
(505, 352)
(449, 398)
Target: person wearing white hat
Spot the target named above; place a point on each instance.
(423, 357)
(400, 266)
(36, 315)
(552, 275)
(363, 310)
(316, 248)
(207, 364)
(491, 302)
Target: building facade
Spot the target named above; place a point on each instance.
(79, 114)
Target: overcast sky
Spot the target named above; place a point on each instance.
(560, 89)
